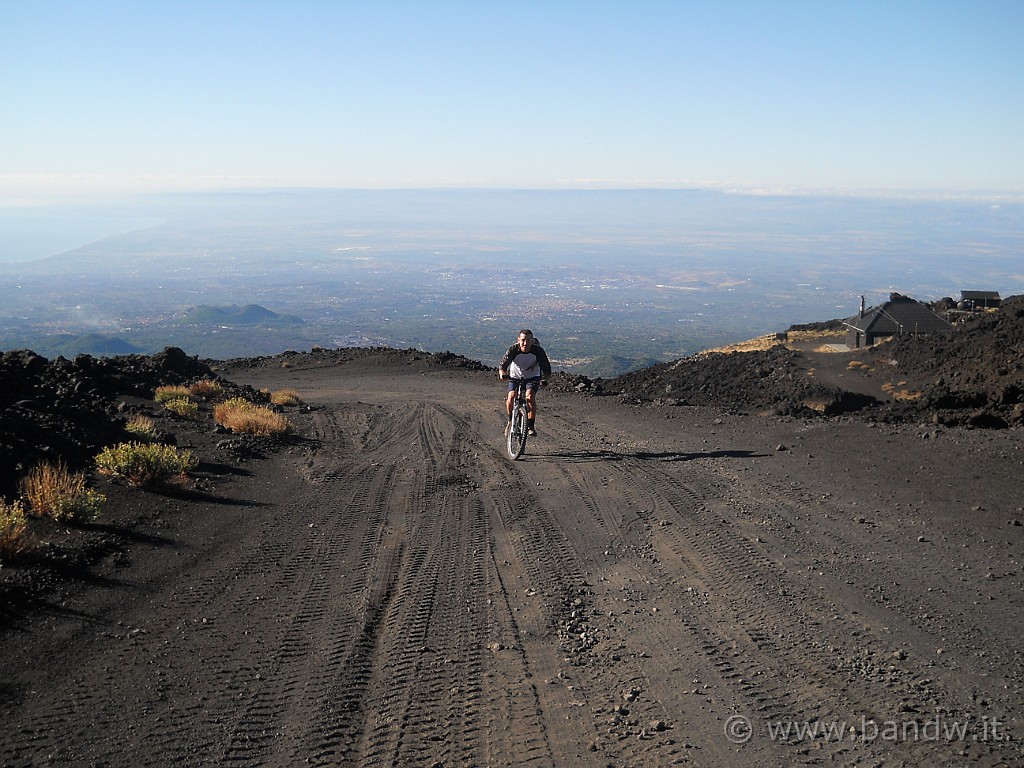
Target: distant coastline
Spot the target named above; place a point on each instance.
(32, 234)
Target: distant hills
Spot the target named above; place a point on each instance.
(68, 345)
(212, 331)
(250, 314)
(610, 366)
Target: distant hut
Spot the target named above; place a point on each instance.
(979, 300)
(899, 316)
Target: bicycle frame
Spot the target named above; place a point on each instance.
(518, 429)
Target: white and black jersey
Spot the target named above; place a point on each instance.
(526, 365)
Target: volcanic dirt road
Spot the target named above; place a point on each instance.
(646, 587)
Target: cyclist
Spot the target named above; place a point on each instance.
(526, 360)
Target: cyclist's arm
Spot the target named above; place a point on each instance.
(545, 364)
(506, 361)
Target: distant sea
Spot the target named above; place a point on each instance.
(30, 234)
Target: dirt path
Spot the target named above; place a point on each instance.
(646, 587)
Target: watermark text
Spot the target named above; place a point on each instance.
(740, 729)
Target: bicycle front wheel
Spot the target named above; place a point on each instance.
(517, 433)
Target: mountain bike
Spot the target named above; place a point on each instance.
(518, 428)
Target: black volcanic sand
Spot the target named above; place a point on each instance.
(666, 577)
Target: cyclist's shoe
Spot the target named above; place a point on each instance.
(531, 432)
(508, 426)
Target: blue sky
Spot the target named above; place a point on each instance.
(846, 95)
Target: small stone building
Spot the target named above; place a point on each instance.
(980, 299)
(899, 316)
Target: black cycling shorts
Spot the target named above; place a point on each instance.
(530, 384)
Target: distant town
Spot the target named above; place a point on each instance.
(608, 281)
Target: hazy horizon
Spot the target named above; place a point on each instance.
(642, 275)
(70, 223)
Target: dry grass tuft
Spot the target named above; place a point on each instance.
(802, 337)
(759, 344)
(772, 340)
(171, 392)
(902, 395)
(244, 417)
(285, 397)
(206, 389)
(142, 427)
(55, 491)
(792, 340)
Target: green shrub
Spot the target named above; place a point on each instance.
(85, 506)
(146, 464)
(53, 490)
(12, 527)
(183, 407)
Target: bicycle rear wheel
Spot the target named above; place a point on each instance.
(517, 433)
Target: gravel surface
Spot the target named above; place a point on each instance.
(653, 583)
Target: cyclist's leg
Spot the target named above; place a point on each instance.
(509, 401)
(531, 403)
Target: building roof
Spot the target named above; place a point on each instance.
(901, 314)
(987, 295)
